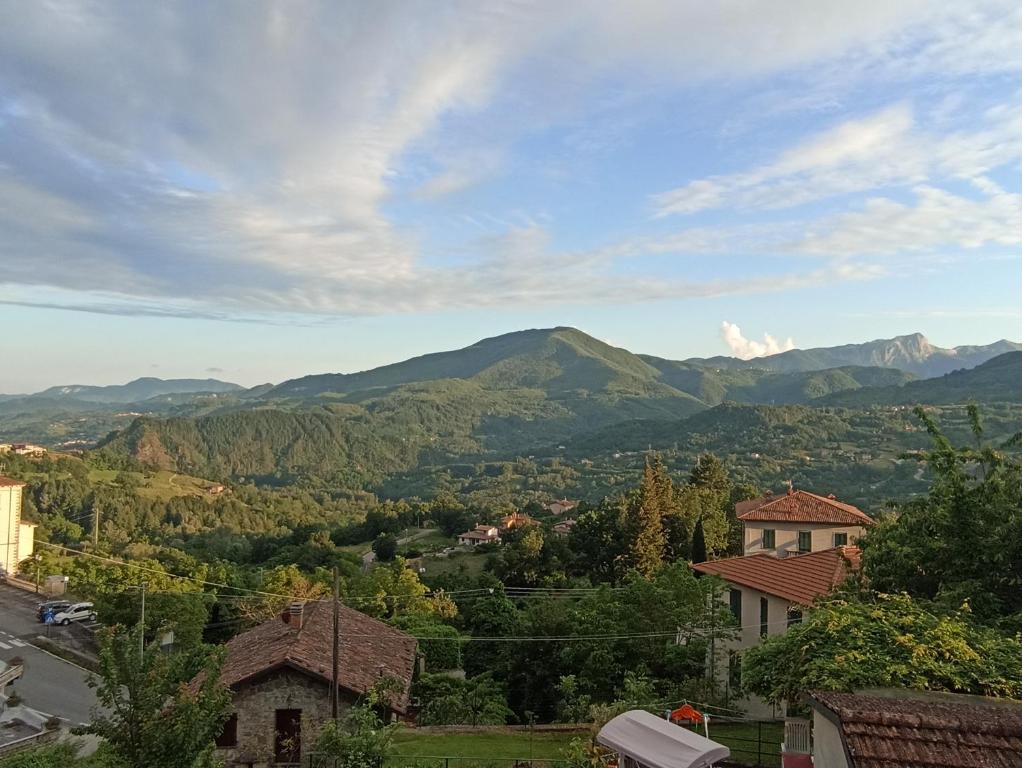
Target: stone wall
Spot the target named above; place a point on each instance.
(256, 705)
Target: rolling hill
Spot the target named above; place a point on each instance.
(134, 391)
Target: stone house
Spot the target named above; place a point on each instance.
(280, 675)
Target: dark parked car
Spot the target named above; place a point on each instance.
(51, 606)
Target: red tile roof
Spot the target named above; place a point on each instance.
(925, 730)
(370, 650)
(9, 482)
(801, 507)
(799, 578)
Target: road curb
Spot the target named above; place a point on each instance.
(76, 657)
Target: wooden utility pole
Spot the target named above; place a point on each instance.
(95, 529)
(337, 644)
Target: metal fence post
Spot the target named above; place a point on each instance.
(759, 742)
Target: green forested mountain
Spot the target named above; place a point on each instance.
(755, 385)
(997, 380)
(135, 391)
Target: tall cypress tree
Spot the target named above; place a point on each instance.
(698, 543)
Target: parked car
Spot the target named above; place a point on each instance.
(76, 612)
(51, 606)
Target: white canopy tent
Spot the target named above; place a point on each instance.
(653, 742)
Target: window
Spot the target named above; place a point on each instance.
(769, 539)
(805, 541)
(287, 739)
(734, 670)
(794, 616)
(840, 539)
(736, 604)
(229, 735)
(764, 616)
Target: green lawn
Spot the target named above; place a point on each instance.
(477, 748)
(750, 744)
(472, 562)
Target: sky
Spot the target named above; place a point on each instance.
(260, 190)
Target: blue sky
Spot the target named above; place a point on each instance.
(256, 191)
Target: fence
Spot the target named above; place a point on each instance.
(427, 761)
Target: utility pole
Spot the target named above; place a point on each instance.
(95, 529)
(337, 643)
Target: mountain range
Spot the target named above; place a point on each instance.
(912, 353)
(514, 394)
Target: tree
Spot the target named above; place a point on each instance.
(385, 546)
(360, 739)
(698, 543)
(646, 554)
(963, 540)
(474, 701)
(884, 641)
(149, 715)
(392, 589)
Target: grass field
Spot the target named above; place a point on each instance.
(162, 485)
(490, 744)
(472, 562)
(750, 743)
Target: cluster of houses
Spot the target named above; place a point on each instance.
(486, 533)
(23, 449)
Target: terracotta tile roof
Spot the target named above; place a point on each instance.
(801, 507)
(9, 482)
(925, 730)
(369, 649)
(799, 578)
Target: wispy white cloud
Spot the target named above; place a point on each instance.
(884, 149)
(937, 220)
(150, 156)
(746, 349)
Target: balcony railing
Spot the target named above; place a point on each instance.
(797, 736)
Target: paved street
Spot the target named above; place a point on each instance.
(50, 684)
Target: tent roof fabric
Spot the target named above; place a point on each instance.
(655, 743)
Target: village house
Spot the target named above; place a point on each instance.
(280, 675)
(515, 520)
(481, 534)
(797, 522)
(885, 729)
(17, 537)
(564, 527)
(767, 595)
(798, 547)
(561, 506)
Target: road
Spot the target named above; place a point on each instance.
(49, 684)
(368, 558)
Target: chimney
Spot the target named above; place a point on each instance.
(295, 614)
(791, 487)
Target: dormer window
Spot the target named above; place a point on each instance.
(769, 539)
